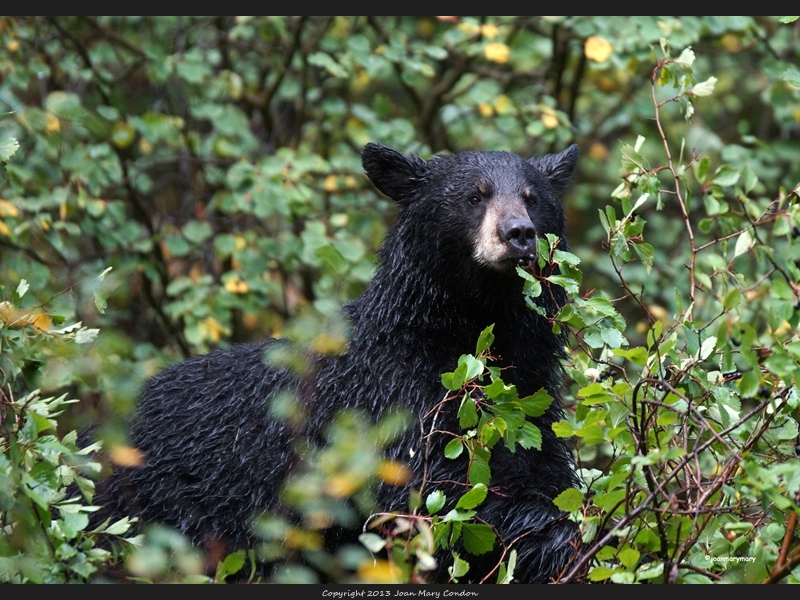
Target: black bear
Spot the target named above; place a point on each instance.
(446, 270)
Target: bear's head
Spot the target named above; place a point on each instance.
(486, 207)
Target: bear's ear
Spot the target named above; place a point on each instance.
(558, 168)
(396, 175)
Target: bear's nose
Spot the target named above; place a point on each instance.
(519, 233)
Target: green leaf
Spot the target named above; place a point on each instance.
(325, 61)
(629, 557)
(459, 568)
(119, 527)
(532, 286)
(22, 287)
(600, 574)
(435, 501)
(536, 405)
(790, 76)
(478, 538)
(451, 381)
(8, 147)
(458, 515)
(646, 254)
(637, 356)
(530, 436)
(708, 346)
(474, 367)
(473, 497)
(569, 500)
(744, 243)
(563, 429)
(485, 340)
(454, 448)
(568, 283)
(601, 305)
(700, 168)
(732, 299)
(372, 542)
(749, 179)
(100, 300)
(506, 575)
(704, 88)
(653, 570)
(232, 564)
(726, 176)
(196, 231)
(609, 500)
(479, 470)
(73, 523)
(176, 245)
(467, 412)
(85, 335)
(611, 336)
(622, 577)
(686, 58)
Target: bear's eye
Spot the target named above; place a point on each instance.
(475, 199)
(528, 197)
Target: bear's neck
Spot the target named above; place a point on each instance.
(441, 316)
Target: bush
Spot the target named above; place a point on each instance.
(211, 163)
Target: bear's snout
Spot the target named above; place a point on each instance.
(520, 234)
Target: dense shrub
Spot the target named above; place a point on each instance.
(212, 165)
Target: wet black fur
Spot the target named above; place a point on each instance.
(214, 456)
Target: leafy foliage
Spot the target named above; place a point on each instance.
(212, 164)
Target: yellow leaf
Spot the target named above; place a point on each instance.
(4, 229)
(597, 49)
(6, 312)
(362, 79)
(731, 42)
(12, 45)
(469, 29)
(126, 456)
(123, 134)
(598, 151)
(503, 105)
(783, 329)
(490, 30)
(303, 540)
(328, 343)
(7, 209)
(51, 123)
(426, 27)
(379, 571)
(145, 147)
(331, 183)
(250, 320)
(235, 285)
(344, 485)
(41, 321)
(211, 329)
(550, 120)
(485, 109)
(497, 52)
(196, 272)
(17, 318)
(394, 473)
